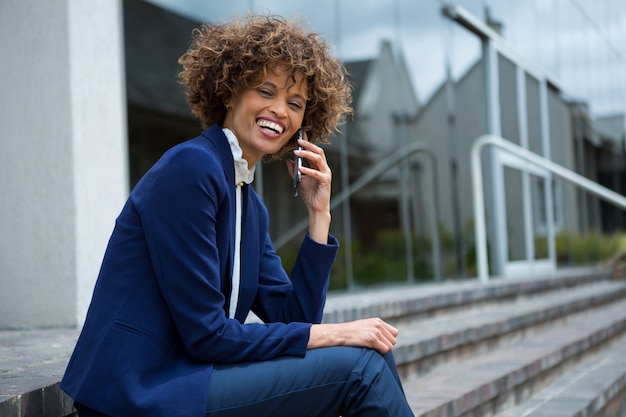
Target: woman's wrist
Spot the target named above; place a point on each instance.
(324, 335)
(319, 226)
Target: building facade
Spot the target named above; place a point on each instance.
(90, 101)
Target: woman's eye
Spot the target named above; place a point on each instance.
(265, 92)
(296, 104)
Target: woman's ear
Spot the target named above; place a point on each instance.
(228, 103)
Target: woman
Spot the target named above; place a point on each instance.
(190, 256)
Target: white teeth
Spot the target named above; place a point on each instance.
(270, 125)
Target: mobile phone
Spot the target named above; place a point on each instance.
(297, 175)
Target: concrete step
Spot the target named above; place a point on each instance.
(443, 321)
(594, 387)
(488, 382)
(32, 363)
(398, 302)
(425, 343)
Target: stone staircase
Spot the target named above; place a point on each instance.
(542, 346)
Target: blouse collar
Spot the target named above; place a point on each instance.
(242, 172)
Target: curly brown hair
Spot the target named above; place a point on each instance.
(226, 59)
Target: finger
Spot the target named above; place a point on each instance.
(320, 171)
(392, 330)
(316, 167)
(389, 337)
(387, 333)
(321, 177)
(383, 346)
(310, 146)
(314, 154)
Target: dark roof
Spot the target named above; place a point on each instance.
(154, 39)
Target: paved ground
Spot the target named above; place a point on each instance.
(31, 365)
(33, 355)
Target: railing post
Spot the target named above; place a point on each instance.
(482, 264)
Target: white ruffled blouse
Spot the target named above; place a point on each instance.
(243, 174)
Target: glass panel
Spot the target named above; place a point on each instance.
(537, 187)
(341, 276)
(408, 47)
(378, 238)
(460, 119)
(533, 113)
(509, 119)
(514, 213)
(421, 217)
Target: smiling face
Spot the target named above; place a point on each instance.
(265, 117)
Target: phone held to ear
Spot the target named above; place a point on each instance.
(297, 175)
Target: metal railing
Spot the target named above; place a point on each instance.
(478, 192)
(372, 173)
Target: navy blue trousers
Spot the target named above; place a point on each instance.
(327, 382)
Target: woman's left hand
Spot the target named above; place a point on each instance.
(315, 188)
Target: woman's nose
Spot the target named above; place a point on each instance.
(279, 108)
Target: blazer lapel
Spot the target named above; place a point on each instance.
(216, 137)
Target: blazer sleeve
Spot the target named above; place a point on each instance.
(179, 205)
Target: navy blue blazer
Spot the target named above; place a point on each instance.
(157, 321)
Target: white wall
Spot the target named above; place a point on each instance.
(63, 158)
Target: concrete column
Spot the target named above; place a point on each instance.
(63, 154)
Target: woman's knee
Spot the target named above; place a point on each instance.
(356, 361)
(344, 359)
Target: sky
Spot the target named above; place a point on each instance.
(579, 43)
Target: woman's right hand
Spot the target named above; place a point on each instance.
(371, 333)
